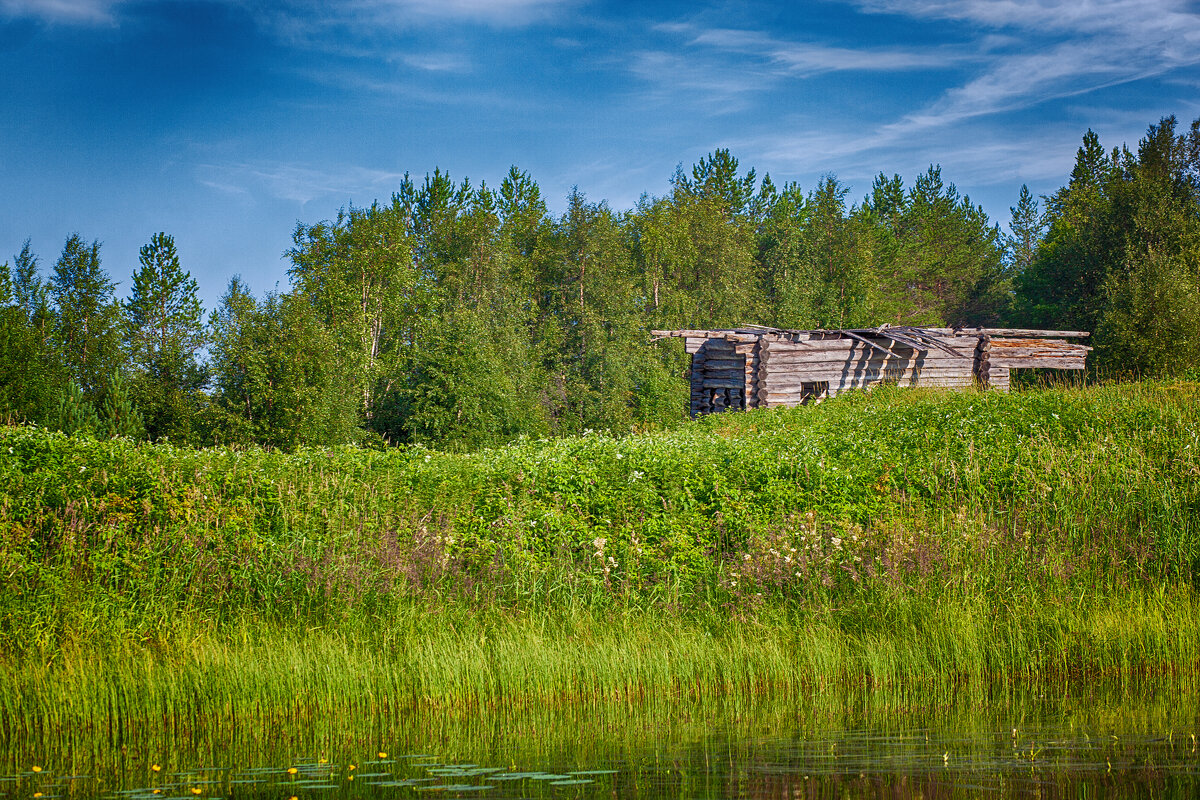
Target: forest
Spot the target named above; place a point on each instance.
(464, 316)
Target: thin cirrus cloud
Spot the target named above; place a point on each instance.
(806, 59)
(1063, 50)
(71, 12)
(371, 17)
(295, 183)
(726, 70)
(303, 15)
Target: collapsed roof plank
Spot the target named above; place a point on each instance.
(755, 366)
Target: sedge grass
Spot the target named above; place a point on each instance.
(883, 539)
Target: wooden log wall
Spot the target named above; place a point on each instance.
(1038, 353)
(718, 376)
(738, 369)
(793, 372)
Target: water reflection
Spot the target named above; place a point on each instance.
(1064, 740)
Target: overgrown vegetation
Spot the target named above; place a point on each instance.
(463, 316)
(896, 536)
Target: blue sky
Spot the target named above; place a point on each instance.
(224, 123)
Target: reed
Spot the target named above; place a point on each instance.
(883, 539)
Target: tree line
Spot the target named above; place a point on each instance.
(462, 315)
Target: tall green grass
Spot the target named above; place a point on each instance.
(885, 538)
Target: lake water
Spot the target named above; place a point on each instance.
(1086, 739)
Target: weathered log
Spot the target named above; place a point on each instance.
(863, 359)
(718, 362)
(840, 367)
(1033, 362)
(722, 374)
(908, 378)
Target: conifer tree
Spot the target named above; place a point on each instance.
(1026, 229)
(75, 414)
(118, 416)
(86, 316)
(164, 333)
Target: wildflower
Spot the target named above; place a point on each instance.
(195, 790)
(156, 767)
(837, 542)
(382, 754)
(322, 760)
(292, 770)
(37, 794)
(353, 767)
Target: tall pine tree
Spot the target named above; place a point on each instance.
(164, 334)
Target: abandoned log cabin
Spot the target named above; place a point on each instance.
(755, 367)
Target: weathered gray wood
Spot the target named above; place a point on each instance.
(860, 360)
(722, 374)
(843, 352)
(1014, 332)
(907, 378)
(718, 363)
(1033, 362)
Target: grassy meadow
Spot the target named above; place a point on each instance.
(900, 537)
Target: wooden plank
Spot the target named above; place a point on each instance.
(709, 375)
(908, 378)
(805, 364)
(1035, 362)
(1021, 332)
(846, 348)
(718, 363)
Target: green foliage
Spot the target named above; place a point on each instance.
(87, 318)
(30, 369)
(850, 512)
(276, 375)
(1122, 254)
(75, 414)
(118, 415)
(164, 334)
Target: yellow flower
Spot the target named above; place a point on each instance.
(353, 767)
(195, 790)
(350, 778)
(36, 768)
(156, 767)
(322, 760)
(292, 770)
(382, 754)
(293, 797)
(37, 794)
(158, 791)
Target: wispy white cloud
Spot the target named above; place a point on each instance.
(438, 62)
(726, 70)
(502, 13)
(72, 12)
(297, 183)
(807, 58)
(720, 88)
(1073, 48)
(300, 19)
